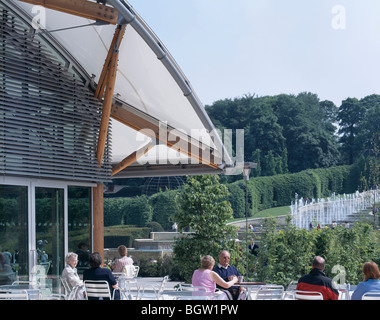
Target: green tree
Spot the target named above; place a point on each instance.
(286, 254)
(164, 207)
(308, 131)
(292, 132)
(203, 208)
(138, 211)
(351, 112)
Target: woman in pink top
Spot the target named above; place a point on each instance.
(205, 277)
(119, 264)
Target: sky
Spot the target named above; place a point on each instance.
(228, 49)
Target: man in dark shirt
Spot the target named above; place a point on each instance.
(253, 248)
(317, 281)
(225, 271)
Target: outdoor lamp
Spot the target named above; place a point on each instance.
(247, 169)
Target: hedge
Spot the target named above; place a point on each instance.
(134, 211)
(280, 190)
(263, 193)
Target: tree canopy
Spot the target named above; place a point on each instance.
(203, 209)
(291, 133)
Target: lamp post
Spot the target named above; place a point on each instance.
(246, 172)
(374, 209)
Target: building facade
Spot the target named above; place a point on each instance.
(80, 103)
(49, 121)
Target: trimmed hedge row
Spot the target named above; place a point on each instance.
(280, 190)
(263, 193)
(133, 211)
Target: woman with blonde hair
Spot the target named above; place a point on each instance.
(371, 283)
(205, 277)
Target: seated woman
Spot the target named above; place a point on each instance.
(119, 264)
(205, 277)
(70, 274)
(371, 277)
(96, 272)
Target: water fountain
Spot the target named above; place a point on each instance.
(339, 208)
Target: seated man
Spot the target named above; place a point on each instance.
(226, 272)
(316, 280)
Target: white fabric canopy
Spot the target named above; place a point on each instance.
(143, 81)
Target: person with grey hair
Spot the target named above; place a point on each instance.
(227, 272)
(70, 274)
(207, 278)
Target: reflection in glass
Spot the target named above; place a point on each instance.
(50, 232)
(79, 224)
(13, 233)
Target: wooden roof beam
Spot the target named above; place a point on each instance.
(82, 8)
(115, 45)
(133, 157)
(185, 146)
(108, 79)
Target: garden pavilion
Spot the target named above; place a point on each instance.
(88, 93)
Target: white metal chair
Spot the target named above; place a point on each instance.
(33, 283)
(14, 295)
(270, 292)
(152, 292)
(292, 285)
(344, 292)
(55, 296)
(289, 292)
(244, 295)
(70, 294)
(137, 270)
(371, 296)
(307, 295)
(98, 289)
(127, 280)
(129, 271)
(34, 291)
(65, 286)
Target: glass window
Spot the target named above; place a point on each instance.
(13, 233)
(50, 232)
(79, 224)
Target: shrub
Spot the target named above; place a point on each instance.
(154, 226)
(203, 209)
(286, 254)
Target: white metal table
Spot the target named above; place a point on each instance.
(251, 286)
(191, 295)
(34, 292)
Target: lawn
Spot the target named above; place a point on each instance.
(272, 212)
